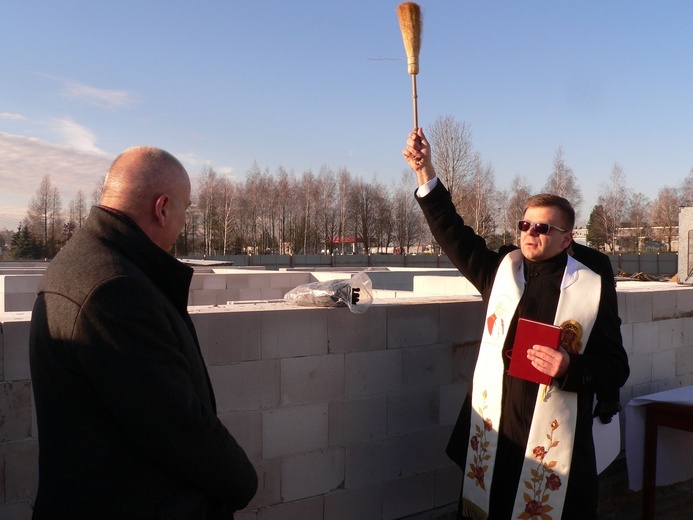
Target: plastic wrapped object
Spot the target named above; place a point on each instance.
(356, 293)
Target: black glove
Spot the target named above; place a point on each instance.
(606, 410)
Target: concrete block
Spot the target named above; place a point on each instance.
(204, 297)
(312, 379)
(684, 361)
(350, 504)
(412, 411)
(373, 462)
(250, 294)
(368, 373)
(226, 295)
(645, 389)
(464, 358)
(412, 325)
(408, 495)
(687, 329)
(272, 293)
(640, 369)
(684, 301)
(462, 322)
(357, 420)
(670, 334)
(20, 283)
(213, 281)
(288, 431)
(638, 307)
(664, 364)
(15, 410)
(350, 332)
(21, 470)
(246, 386)
(259, 281)
(310, 508)
(451, 400)
(663, 305)
(426, 366)
(280, 280)
(17, 302)
(227, 337)
(294, 332)
(448, 485)
(312, 474)
(645, 337)
(269, 476)
(246, 428)
(237, 280)
(425, 450)
(196, 282)
(621, 303)
(15, 339)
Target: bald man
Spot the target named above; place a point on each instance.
(125, 409)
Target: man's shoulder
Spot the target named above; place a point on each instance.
(592, 258)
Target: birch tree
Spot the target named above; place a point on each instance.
(562, 181)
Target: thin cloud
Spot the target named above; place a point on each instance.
(13, 117)
(110, 99)
(75, 135)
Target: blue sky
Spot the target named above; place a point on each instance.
(315, 82)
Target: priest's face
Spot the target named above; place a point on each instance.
(537, 245)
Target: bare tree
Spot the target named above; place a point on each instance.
(614, 198)
(562, 181)
(383, 228)
(78, 209)
(638, 211)
(478, 202)
(406, 215)
(328, 212)
(344, 189)
(454, 158)
(44, 216)
(97, 192)
(664, 214)
(687, 189)
(520, 191)
(207, 207)
(364, 196)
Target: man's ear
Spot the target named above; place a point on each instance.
(567, 240)
(161, 208)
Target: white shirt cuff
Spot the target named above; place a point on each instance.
(426, 188)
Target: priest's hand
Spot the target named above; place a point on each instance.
(549, 361)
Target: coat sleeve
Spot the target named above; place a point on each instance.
(147, 370)
(466, 250)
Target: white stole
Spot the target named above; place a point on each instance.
(544, 477)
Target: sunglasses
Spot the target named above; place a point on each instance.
(540, 228)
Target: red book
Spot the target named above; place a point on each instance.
(528, 334)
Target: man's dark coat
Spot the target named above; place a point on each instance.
(126, 412)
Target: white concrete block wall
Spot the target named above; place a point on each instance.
(346, 416)
(17, 291)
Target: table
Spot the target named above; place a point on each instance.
(678, 416)
(654, 456)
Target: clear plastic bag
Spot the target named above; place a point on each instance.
(356, 293)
